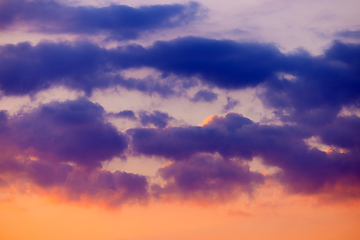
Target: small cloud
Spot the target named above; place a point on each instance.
(157, 118)
(231, 104)
(124, 114)
(204, 96)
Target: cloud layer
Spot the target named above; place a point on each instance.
(329, 81)
(64, 145)
(303, 169)
(118, 22)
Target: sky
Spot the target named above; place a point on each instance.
(144, 120)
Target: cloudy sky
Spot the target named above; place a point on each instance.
(157, 120)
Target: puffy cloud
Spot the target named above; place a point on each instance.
(118, 21)
(303, 169)
(329, 81)
(231, 136)
(223, 63)
(319, 86)
(27, 69)
(206, 177)
(86, 66)
(70, 131)
(60, 146)
(74, 131)
(74, 183)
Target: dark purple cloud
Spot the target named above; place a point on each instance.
(206, 176)
(86, 66)
(223, 63)
(60, 146)
(74, 183)
(343, 132)
(321, 85)
(204, 96)
(114, 188)
(47, 175)
(304, 90)
(195, 172)
(348, 34)
(71, 131)
(328, 81)
(231, 136)
(157, 118)
(27, 69)
(124, 114)
(118, 21)
(314, 92)
(303, 169)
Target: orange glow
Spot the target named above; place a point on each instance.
(329, 151)
(167, 164)
(340, 150)
(209, 119)
(271, 215)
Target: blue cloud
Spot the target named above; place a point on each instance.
(119, 22)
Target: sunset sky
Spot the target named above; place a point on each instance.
(171, 120)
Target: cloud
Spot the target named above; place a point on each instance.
(86, 66)
(28, 69)
(124, 114)
(147, 86)
(70, 131)
(204, 96)
(319, 87)
(74, 183)
(342, 133)
(62, 145)
(303, 170)
(206, 177)
(231, 104)
(157, 118)
(231, 136)
(59, 147)
(348, 34)
(329, 81)
(81, 66)
(223, 63)
(119, 22)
